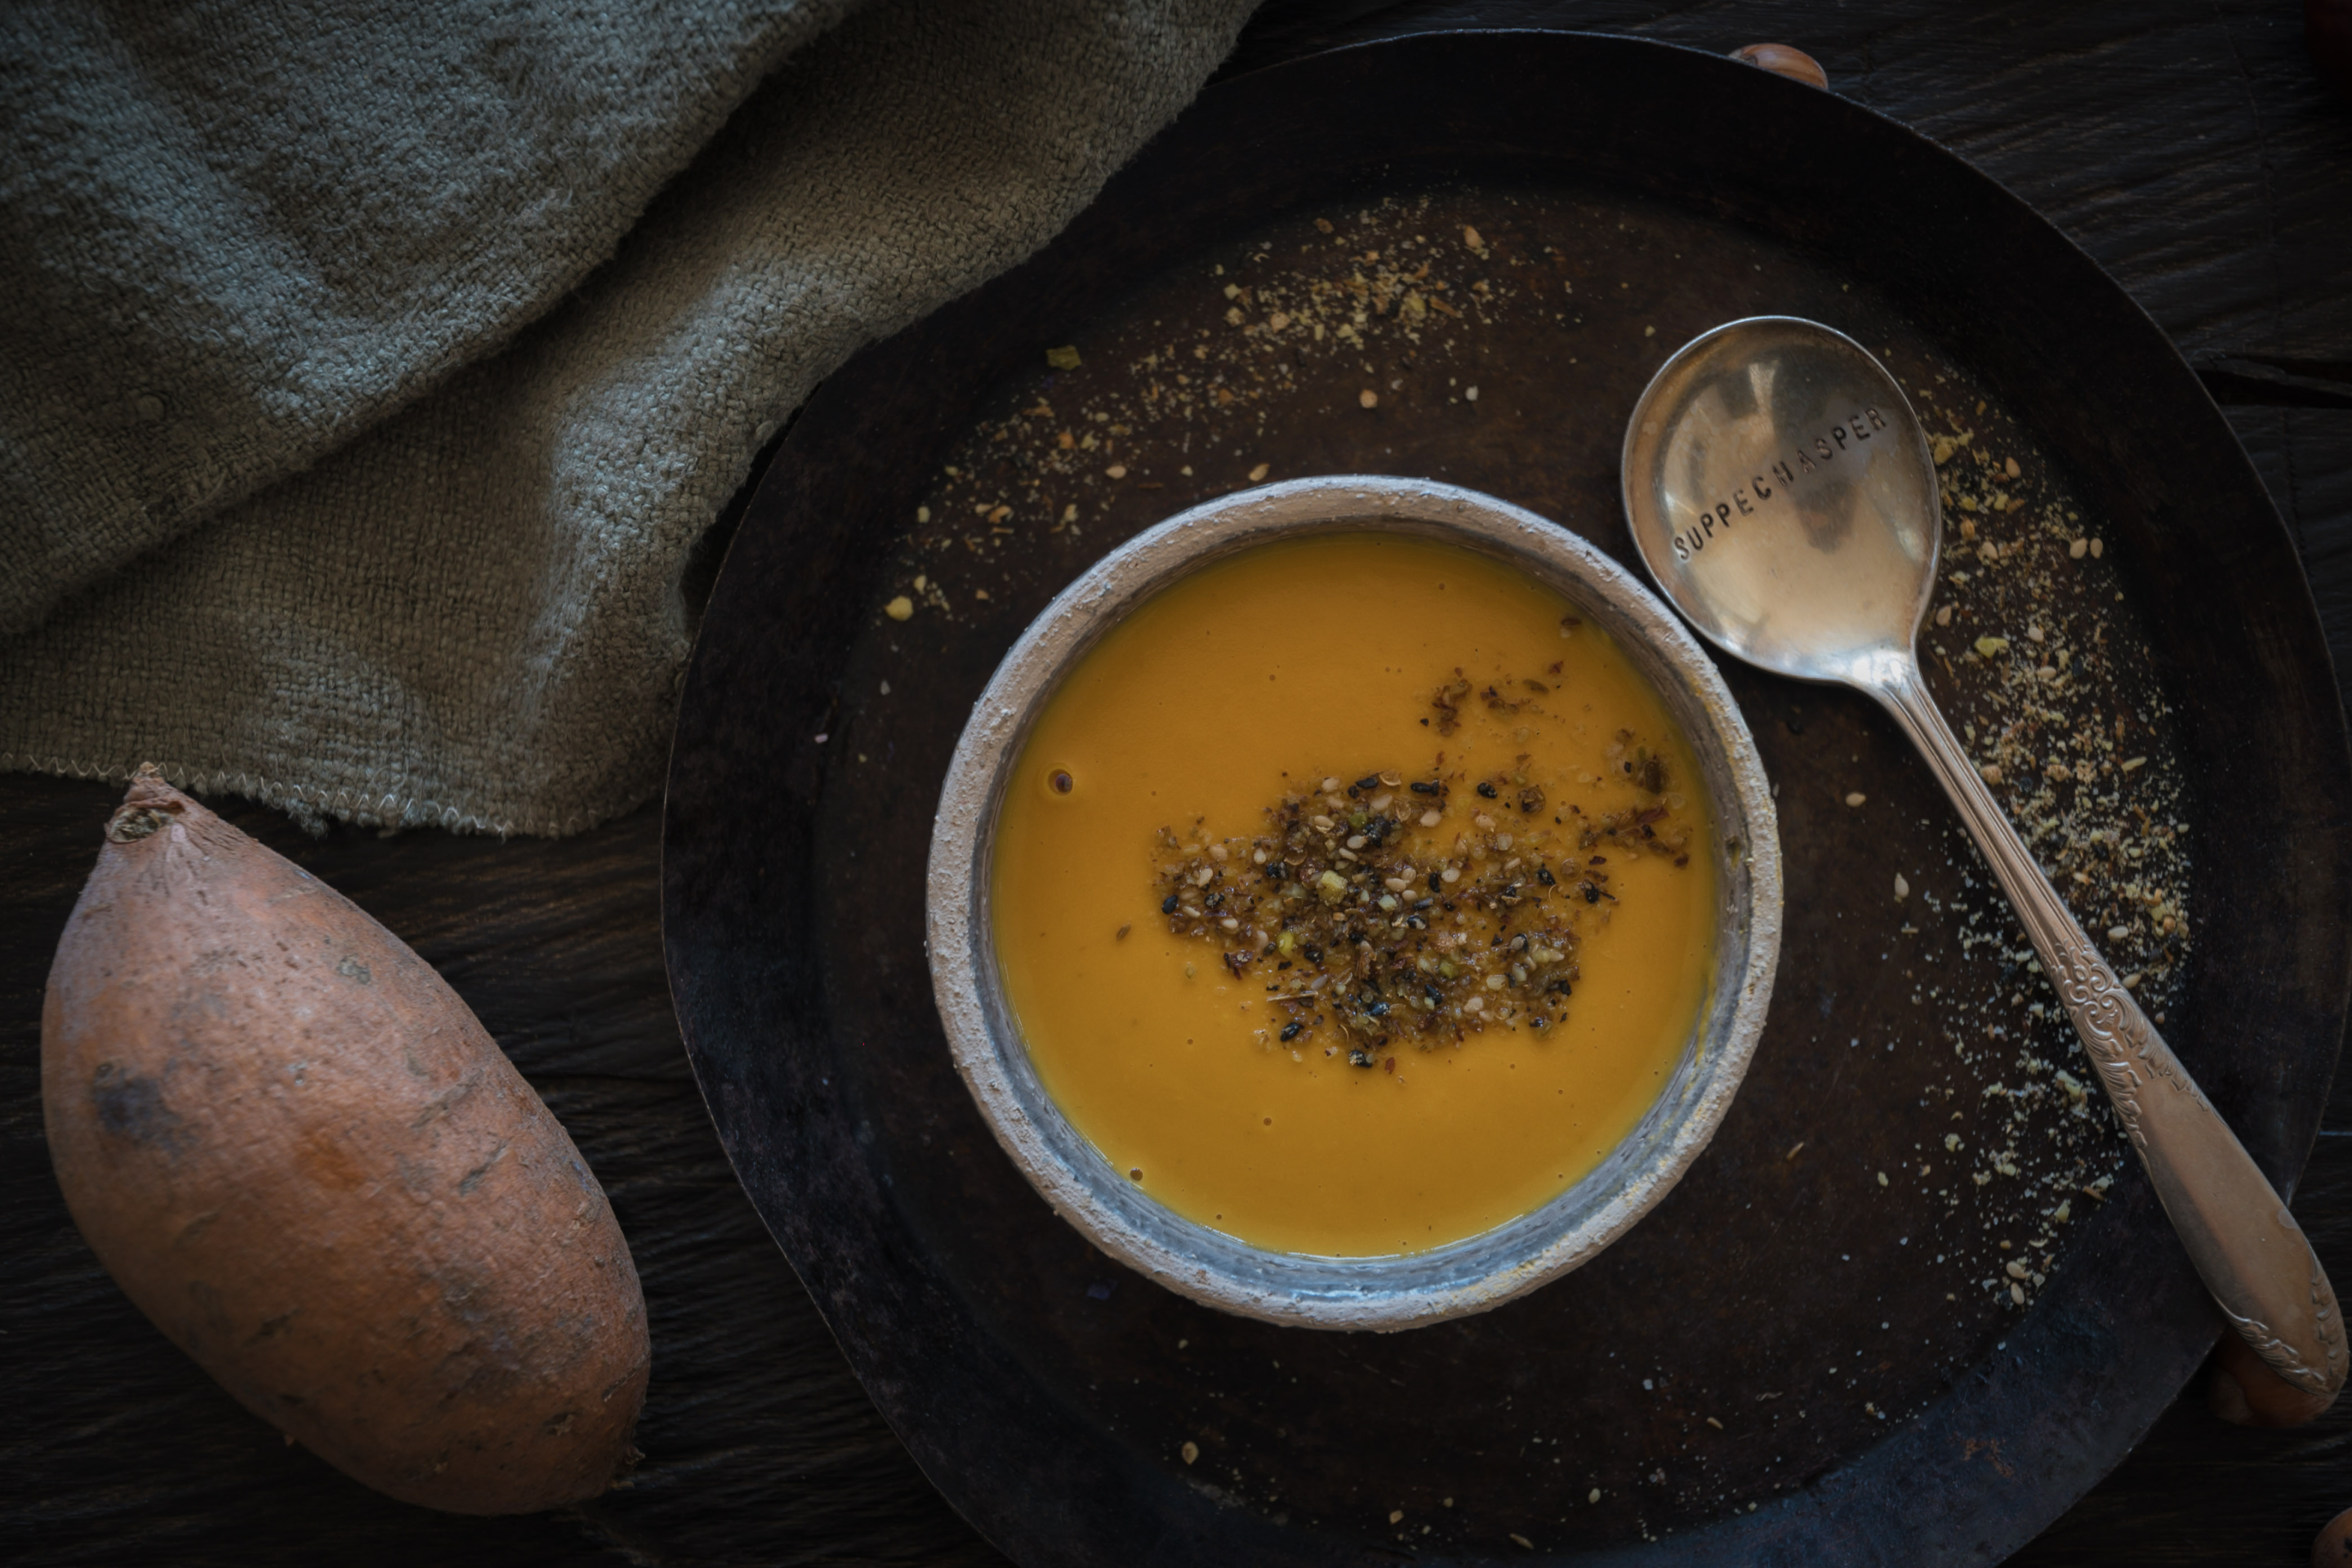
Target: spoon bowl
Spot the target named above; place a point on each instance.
(1783, 496)
(1781, 491)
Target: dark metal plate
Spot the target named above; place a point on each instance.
(1815, 1349)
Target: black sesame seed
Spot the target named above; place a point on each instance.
(1314, 954)
(1368, 780)
(1168, 905)
(1543, 875)
(1431, 787)
(1591, 894)
(1488, 790)
(1290, 1031)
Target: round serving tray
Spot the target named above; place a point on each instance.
(1815, 1349)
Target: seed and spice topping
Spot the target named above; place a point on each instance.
(1372, 927)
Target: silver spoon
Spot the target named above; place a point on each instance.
(1780, 490)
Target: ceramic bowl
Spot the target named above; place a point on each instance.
(1380, 1292)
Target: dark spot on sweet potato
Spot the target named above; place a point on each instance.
(130, 1106)
(443, 1102)
(473, 1178)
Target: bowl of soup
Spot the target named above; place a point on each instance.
(1354, 902)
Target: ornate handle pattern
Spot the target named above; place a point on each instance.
(2246, 1245)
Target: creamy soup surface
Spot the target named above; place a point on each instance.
(1226, 927)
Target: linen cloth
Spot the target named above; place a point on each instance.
(368, 373)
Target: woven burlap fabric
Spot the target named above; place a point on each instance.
(371, 373)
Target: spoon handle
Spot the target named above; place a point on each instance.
(2246, 1245)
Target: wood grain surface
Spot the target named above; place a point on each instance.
(2190, 148)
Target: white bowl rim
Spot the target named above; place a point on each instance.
(1388, 1292)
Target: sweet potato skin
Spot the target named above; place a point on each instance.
(302, 1156)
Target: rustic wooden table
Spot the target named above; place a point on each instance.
(2188, 147)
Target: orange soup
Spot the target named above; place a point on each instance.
(1352, 895)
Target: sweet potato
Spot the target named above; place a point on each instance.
(302, 1155)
